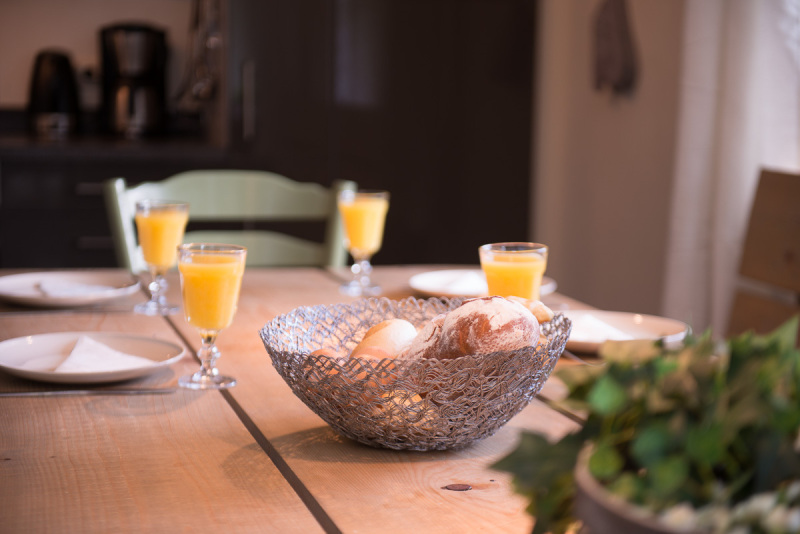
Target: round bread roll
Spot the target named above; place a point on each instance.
(330, 353)
(479, 326)
(542, 313)
(320, 364)
(387, 339)
(384, 341)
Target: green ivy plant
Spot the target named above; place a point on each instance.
(703, 430)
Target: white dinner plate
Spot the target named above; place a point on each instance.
(36, 357)
(590, 328)
(66, 289)
(460, 283)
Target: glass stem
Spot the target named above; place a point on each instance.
(158, 287)
(362, 269)
(208, 354)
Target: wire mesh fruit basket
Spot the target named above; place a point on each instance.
(420, 404)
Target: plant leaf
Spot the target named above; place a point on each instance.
(627, 486)
(607, 397)
(629, 352)
(579, 376)
(650, 445)
(668, 476)
(536, 462)
(775, 461)
(605, 461)
(705, 444)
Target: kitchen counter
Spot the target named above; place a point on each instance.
(52, 212)
(98, 148)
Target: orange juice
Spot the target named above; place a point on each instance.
(210, 284)
(364, 216)
(516, 271)
(160, 233)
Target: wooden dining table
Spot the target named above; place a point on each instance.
(144, 455)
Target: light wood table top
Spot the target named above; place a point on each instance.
(250, 459)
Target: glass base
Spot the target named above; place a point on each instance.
(356, 289)
(202, 381)
(155, 308)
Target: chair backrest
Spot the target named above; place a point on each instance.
(225, 196)
(769, 284)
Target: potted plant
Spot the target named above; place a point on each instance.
(699, 437)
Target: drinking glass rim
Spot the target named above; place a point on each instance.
(155, 203)
(349, 194)
(213, 248)
(514, 247)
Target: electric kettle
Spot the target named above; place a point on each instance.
(53, 103)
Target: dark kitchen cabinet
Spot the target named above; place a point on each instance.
(430, 99)
(52, 212)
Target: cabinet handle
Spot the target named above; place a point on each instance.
(89, 189)
(248, 100)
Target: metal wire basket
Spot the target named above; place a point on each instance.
(423, 404)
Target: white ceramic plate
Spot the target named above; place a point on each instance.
(590, 328)
(66, 289)
(36, 357)
(460, 283)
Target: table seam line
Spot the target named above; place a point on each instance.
(554, 405)
(306, 497)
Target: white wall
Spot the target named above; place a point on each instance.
(28, 26)
(604, 164)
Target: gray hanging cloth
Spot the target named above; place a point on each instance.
(614, 54)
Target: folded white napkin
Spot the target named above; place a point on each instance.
(587, 327)
(90, 356)
(59, 288)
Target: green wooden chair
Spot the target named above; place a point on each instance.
(225, 196)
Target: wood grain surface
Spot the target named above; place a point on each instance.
(364, 489)
(251, 459)
(145, 463)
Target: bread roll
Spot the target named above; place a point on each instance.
(479, 326)
(330, 353)
(387, 339)
(322, 363)
(542, 313)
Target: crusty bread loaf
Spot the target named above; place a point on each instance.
(479, 326)
(427, 339)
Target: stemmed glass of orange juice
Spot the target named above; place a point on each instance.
(160, 225)
(364, 215)
(514, 269)
(211, 278)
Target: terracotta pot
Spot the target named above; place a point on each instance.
(602, 512)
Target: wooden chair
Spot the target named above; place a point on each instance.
(224, 197)
(769, 287)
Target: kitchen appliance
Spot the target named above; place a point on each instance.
(53, 104)
(134, 59)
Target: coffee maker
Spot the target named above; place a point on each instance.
(134, 60)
